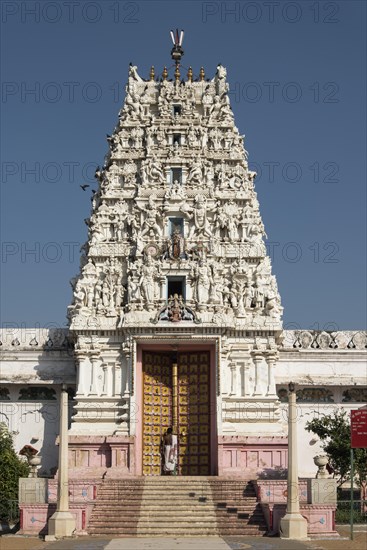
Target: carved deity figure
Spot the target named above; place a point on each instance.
(246, 220)
(147, 281)
(203, 278)
(119, 294)
(150, 224)
(201, 224)
(160, 137)
(220, 77)
(209, 175)
(137, 134)
(220, 219)
(79, 295)
(232, 229)
(192, 137)
(203, 136)
(156, 172)
(149, 138)
(175, 191)
(133, 106)
(195, 174)
(129, 171)
(215, 108)
(215, 138)
(207, 100)
(177, 245)
(114, 172)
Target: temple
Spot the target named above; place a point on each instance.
(176, 318)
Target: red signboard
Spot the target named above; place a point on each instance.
(358, 429)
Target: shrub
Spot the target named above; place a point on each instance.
(11, 469)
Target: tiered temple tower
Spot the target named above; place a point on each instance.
(176, 315)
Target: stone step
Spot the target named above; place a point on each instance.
(200, 532)
(182, 490)
(196, 517)
(142, 524)
(175, 494)
(193, 516)
(155, 509)
(176, 506)
(181, 508)
(177, 500)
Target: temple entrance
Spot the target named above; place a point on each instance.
(176, 392)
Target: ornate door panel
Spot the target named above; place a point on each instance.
(157, 408)
(194, 413)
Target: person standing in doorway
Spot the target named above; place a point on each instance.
(169, 452)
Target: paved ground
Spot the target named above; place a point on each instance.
(13, 542)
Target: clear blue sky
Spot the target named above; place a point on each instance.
(298, 91)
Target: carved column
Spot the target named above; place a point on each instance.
(271, 389)
(127, 352)
(117, 380)
(62, 523)
(82, 372)
(293, 525)
(110, 376)
(233, 368)
(93, 382)
(105, 378)
(250, 369)
(162, 287)
(259, 389)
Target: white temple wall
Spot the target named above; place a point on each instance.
(308, 443)
(34, 423)
(328, 380)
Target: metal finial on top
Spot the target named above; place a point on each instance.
(177, 72)
(177, 51)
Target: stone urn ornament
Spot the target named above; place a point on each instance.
(33, 459)
(321, 461)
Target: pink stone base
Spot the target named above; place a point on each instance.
(114, 456)
(273, 497)
(240, 456)
(274, 491)
(82, 496)
(320, 518)
(34, 518)
(100, 456)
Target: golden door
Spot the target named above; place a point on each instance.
(176, 392)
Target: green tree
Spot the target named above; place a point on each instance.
(334, 433)
(11, 469)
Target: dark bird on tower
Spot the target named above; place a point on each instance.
(85, 186)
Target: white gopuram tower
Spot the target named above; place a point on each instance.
(176, 315)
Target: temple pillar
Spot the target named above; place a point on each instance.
(82, 373)
(260, 374)
(94, 375)
(271, 389)
(62, 523)
(293, 525)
